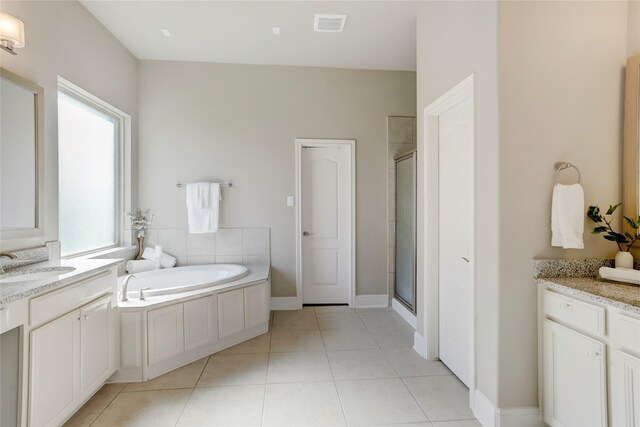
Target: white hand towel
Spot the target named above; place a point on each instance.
(203, 207)
(628, 275)
(567, 216)
(167, 261)
(139, 266)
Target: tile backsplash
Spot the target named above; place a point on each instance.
(228, 245)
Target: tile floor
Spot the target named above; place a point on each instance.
(322, 366)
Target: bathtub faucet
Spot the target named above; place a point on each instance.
(123, 289)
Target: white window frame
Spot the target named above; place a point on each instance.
(123, 162)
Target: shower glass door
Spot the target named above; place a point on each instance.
(405, 274)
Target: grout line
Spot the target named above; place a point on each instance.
(415, 399)
(333, 377)
(266, 377)
(185, 405)
(103, 409)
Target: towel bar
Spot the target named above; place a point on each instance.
(228, 184)
(560, 166)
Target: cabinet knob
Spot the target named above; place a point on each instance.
(85, 316)
(594, 354)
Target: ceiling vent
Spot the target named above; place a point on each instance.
(329, 23)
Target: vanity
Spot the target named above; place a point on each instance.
(58, 329)
(589, 346)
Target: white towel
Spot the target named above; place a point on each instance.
(628, 275)
(567, 216)
(203, 207)
(139, 266)
(167, 261)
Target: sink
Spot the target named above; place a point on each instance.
(37, 274)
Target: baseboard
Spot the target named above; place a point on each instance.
(408, 316)
(420, 345)
(372, 301)
(285, 303)
(491, 416)
(484, 409)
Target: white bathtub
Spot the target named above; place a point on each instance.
(183, 279)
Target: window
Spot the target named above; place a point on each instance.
(89, 172)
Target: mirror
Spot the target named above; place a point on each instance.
(21, 125)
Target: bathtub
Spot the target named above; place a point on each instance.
(183, 279)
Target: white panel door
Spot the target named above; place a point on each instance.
(255, 309)
(626, 390)
(326, 224)
(455, 142)
(575, 383)
(166, 333)
(200, 322)
(231, 312)
(96, 359)
(54, 390)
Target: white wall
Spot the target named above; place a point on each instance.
(239, 122)
(561, 89)
(455, 40)
(63, 39)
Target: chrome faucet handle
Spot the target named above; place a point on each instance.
(142, 293)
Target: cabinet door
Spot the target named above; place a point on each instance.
(53, 370)
(200, 322)
(231, 312)
(626, 390)
(96, 361)
(255, 309)
(166, 335)
(575, 381)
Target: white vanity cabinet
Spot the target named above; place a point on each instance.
(200, 322)
(590, 363)
(575, 381)
(166, 332)
(72, 354)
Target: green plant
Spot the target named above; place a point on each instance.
(621, 239)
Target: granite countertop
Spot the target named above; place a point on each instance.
(580, 278)
(14, 291)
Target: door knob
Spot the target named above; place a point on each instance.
(465, 259)
(306, 233)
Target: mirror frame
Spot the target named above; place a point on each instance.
(38, 97)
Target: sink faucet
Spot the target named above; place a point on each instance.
(9, 255)
(123, 289)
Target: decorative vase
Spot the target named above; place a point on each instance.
(624, 260)
(141, 248)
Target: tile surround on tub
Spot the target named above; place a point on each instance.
(228, 245)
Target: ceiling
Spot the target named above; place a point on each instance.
(379, 35)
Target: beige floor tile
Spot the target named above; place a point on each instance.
(441, 397)
(408, 363)
(293, 322)
(144, 408)
(94, 406)
(385, 319)
(298, 367)
(423, 424)
(348, 339)
(302, 404)
(306, 311)
(347, 320)
(373, 309)
(393, 337)
(458, 423)
(256, 345)
(360, 364)
(185, 377)
(296, 340)
(224, 406)
(382, 401)
(234, 369)
(325, 309)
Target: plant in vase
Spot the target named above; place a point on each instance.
(140, 221)
(625, 240)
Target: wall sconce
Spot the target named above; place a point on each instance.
(11, 33)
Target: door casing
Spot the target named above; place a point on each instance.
(349, 144)
(430, 213)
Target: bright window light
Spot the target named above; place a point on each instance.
(88, 176)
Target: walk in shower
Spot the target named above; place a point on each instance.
(405, 227)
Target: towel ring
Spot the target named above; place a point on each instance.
(560, 166)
